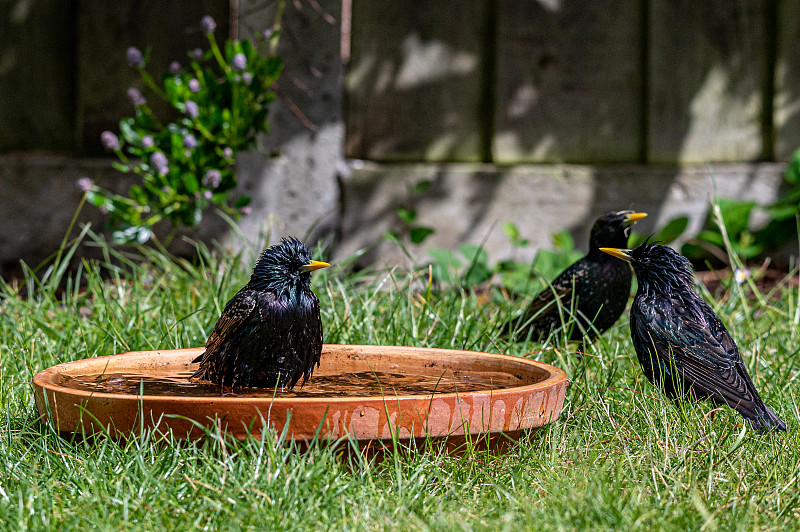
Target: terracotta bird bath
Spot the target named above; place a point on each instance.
(372, 394)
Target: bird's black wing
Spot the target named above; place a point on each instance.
(561, 289)
(688, 336)
(237, 311)
(543, 313)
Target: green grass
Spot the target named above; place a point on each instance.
(620, 456)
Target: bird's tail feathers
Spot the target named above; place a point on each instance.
(765, 420)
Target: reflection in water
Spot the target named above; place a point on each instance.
(365, 383)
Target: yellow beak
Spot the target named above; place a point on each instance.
(313, 265)
(619, 253)
(634, 217)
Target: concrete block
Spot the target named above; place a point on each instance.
(40, 195)
(707, 67)
(414, 84)
(469, 203)
(38, 198)
(292, 177)
(569, 82)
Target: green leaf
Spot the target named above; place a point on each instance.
(417, 235)
(783, 212)
(422, 186)
(735, 215)
(191, 183)
(407, 215)
(793, 169)
(511, 231)
(474, 254)
(129, 234)
(128, 133)
(95, 198)
(391, 236)
(477, 274)
(518, 277)
(242, 201)
(445, 264)
(673, 229)
(712, 237)
(563, 240)
(137, 194)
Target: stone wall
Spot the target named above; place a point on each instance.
(470, 202)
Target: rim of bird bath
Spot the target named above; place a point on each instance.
(490, 416)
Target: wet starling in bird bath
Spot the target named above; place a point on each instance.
(682, 345)
(595, 289)
(270, 333)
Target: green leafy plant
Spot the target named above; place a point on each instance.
(416, 234)
(469, 266)
(735, 215)
(667, 234)
(221, 99)
(736, 219)
(784, 212)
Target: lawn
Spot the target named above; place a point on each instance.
(620, 456)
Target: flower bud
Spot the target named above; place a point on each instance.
(136, 98)
(239, 62)
(85, 184)
(191, 109)
(208, 24)
(109, 140)
(134, 56)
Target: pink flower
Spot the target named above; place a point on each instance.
(85, 184)
(109, 140)
(134, 56)
(136, 98)
(191, 109)
(239, 62)
(212, 179)
(208, 24)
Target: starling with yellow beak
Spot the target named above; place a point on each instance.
(270, 333)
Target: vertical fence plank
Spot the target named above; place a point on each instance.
(787, 82)
(413, 89)
(569, 81)
(107, 29)
(707, 70)
(36, 73)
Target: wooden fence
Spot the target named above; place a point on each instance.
(505, 81)
(63, 70)
(584, 81)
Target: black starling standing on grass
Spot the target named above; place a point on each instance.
(270, 333)
(682, 345)
(595, 288)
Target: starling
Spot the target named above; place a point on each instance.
(270, 333)
(595, 288)
(682, 345)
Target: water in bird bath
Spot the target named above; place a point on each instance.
(176, 382)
